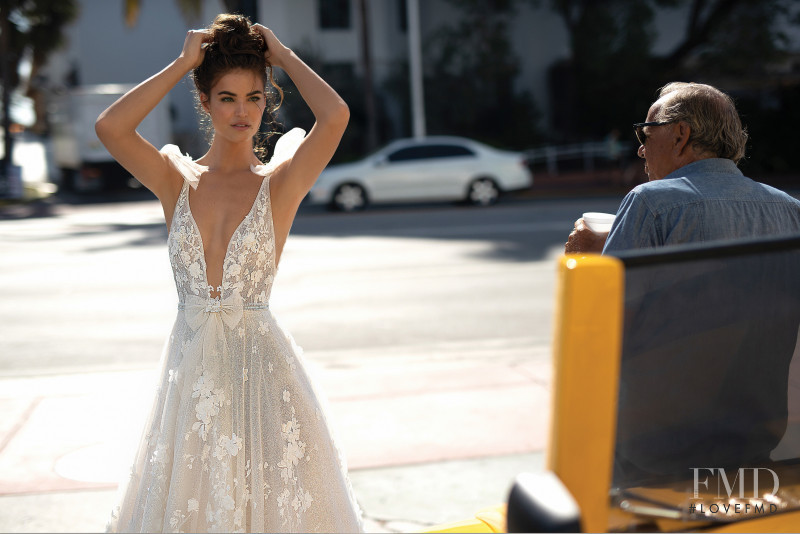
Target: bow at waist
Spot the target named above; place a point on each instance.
(207, 348)
(229, 309)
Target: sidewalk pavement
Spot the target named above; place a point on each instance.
(428, 440)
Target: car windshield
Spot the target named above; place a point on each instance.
(709, 393)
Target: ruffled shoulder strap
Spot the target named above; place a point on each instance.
(284, 150)
(189, 169)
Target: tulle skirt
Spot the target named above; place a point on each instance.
(237, 439)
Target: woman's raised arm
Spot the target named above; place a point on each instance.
(116, 126)
(293, 180)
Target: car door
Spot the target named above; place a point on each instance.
(423, 172)
(448, 170)
(400, 175)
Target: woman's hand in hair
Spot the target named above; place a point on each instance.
(193, 50)
(276, 50)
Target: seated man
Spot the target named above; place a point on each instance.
(691, 144)
(701, 384)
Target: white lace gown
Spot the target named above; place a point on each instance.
(237, 440)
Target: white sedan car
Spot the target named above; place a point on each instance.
(430, 169)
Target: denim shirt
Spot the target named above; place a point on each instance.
(706, 200)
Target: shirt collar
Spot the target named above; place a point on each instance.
(707, 165)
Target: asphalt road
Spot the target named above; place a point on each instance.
(88, 287)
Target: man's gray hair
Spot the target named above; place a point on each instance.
(711, 114)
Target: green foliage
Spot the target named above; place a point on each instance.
(350, 86)
(191, 10)
(469, 79)
(744, 40)
(608, 79)
(613, 74)
(35, 25)
(38, 25)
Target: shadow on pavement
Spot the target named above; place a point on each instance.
(48, 207)
(521, 227)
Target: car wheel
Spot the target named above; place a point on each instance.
(483, 192)
(349, 197)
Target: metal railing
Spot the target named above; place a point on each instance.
(588, 153)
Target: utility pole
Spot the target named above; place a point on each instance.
(415, 63)
(369, 89)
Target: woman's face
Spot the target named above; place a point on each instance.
(236, 105)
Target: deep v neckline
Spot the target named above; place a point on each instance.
(210, 289)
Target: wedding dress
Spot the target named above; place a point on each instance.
(237, 440)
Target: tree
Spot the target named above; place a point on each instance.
(469, 82)
(608, 77)
(36, 25)
(731, 36)
(613, 73)
(191, 9)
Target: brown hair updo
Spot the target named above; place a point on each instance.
(236, 44)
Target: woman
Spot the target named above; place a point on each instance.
(236, 440)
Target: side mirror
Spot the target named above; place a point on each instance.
(539, 502)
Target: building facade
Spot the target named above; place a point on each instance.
(102, 49)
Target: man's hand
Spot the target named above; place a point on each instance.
(584, 240)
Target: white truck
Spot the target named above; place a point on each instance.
(84, 163)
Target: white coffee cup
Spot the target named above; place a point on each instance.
(599, 223)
